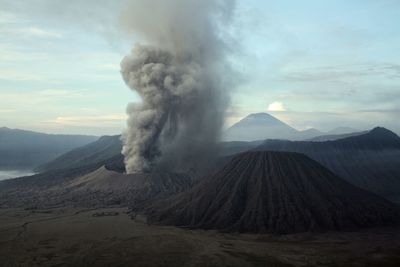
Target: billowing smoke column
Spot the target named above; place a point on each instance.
(179, 74)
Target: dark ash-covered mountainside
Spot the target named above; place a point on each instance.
(99, 188)
(274, 192)
(370, 161)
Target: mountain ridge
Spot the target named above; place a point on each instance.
(25, 150)
(369, 161)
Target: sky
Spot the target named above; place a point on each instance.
(312, 64)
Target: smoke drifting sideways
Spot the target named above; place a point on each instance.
(181, 74)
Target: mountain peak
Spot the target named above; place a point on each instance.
(381, 130)
(260, 115)
(259, 126)
(383, 133)
(261, 118)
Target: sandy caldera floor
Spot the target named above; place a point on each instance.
(108, 237)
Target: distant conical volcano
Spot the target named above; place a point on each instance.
(261, 126)
(276, 192)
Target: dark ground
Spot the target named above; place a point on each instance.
(108, 237)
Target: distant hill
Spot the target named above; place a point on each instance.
(235, 147)
(334, 137)
(370, 160)
(309, 133)
(25, 150)
(273, 192)
(342, 130)
(106, 147)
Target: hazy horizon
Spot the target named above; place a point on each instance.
(311, 64)
(226, 127)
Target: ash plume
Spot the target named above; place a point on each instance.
(179, 73)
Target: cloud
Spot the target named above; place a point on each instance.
(3, 111)
(343, 72)
(39, 99)
(9, 54)
(14, 75)
(95, 120)
(30, 32)
(97, 124)
(38, 32)
(108, 67)
(388, 111)
(9, 18)
(93, 15)
(59, 93)
(276, 106)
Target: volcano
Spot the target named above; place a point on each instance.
(277, 192)
(259, 126)
(110, 186)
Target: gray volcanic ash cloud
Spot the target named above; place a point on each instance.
(180, 74)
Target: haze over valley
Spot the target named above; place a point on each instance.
(13, 174)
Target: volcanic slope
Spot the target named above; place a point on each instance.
(102, 187)
(276, 192)
(131, 188)
(104, 149)
(370, 160)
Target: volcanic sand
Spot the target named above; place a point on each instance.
(109, 237)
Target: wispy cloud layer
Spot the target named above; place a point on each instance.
(312, 63)
(90, 120)
(343, 72)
